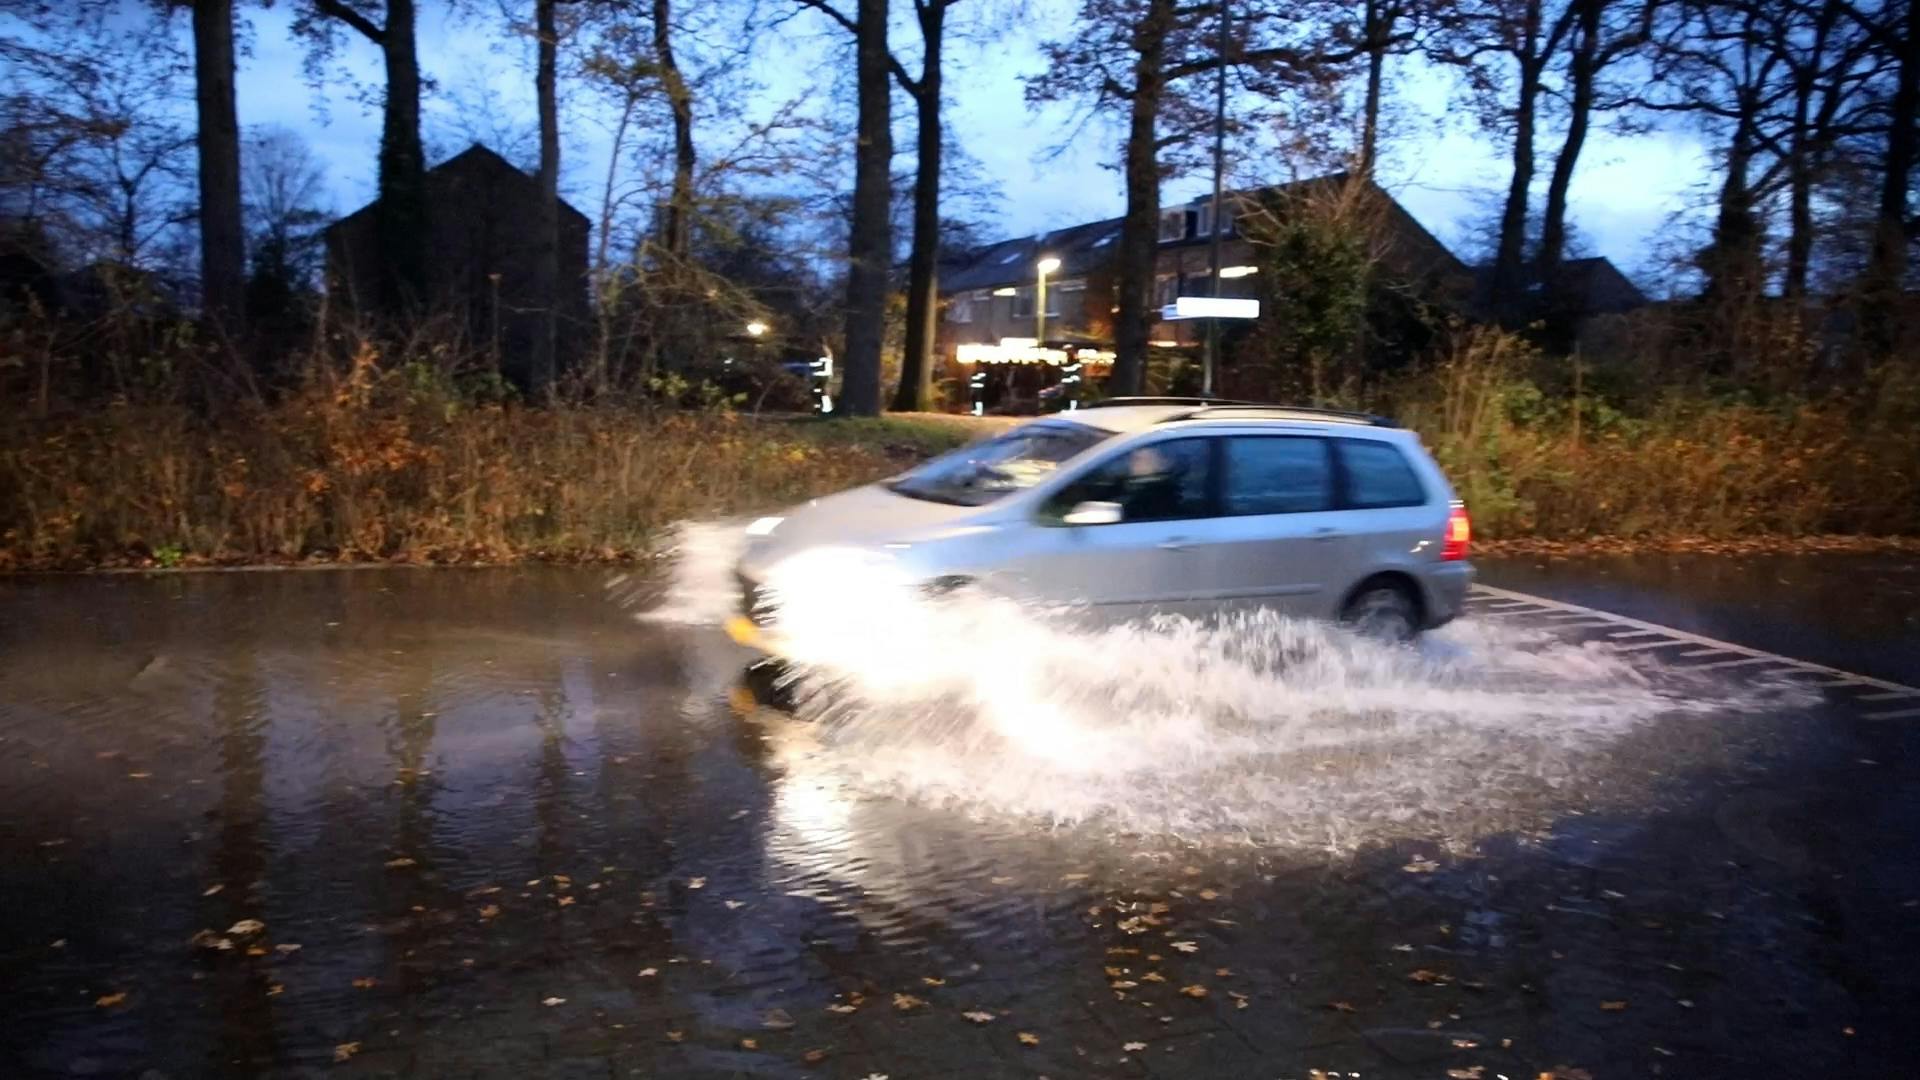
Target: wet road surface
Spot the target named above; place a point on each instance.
(453, 823)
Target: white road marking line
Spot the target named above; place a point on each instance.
(1745, 661)
(1893, 696)
(1644, 645)
(1634, 633)
(1892, 714)
(1893, 688)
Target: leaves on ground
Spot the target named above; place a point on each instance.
(1471, 1072)
(814, 1057)
(1342, 1006)
(749, 1044)
(213, 890)
(676, 1036)
(697, 883)
(1028, 1038)
(286, 948)
(931, 980)
(1153, 976)
(776, 1020)
(246, 927)
(648, 973)
(1133, 1047)
(904, 1002)
(550, 1002)
(978, 1016)
(1196, 991)
(841, 1009)
(365, 982)
(1427, 975)
(1421, 865)
(1209, 894)
(1613, 1006)
(1184, 946)
(490, 911)
(401, 863)
(345, 1051)
(734, 905)
(108, 1001)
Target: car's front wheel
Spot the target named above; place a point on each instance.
(1384, 611)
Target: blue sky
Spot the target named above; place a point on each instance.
(1630, 192)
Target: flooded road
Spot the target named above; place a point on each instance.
(487, 823)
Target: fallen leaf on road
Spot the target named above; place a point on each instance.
(734, 905)
(550, 1002)
(1613, 1006)
(841, 1009)
(1196, 991)
(345, 1051)
(213, 890)
(1223, 973)
(1075, 877)
(1421, 865)
(979, 1016)
(932, 981)
(1185, 947)
(365, 982)
(1341, 1006)
(1209, 894)
(1470, 1073)
(245, 927)
(139, 776)
(1028, 1038)
(400, 863)
(749, 1044)
(1133, 1047)
(286, 948)
(648, 973)
(1423, 975)
(108, 1001)
(1403, 948)
(566, 901)
(903, 1002)
(1153, 976)
(814, 1057)
(676, 1036)
(276, 989)
(776, 1020)
(1464, 1044)
(697, 883)
(490, 911)
(1001, 880)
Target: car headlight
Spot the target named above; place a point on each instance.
(764, 526)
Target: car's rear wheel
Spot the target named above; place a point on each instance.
(1384, 611)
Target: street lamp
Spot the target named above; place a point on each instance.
(1046, 266)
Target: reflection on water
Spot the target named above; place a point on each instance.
(452, 822)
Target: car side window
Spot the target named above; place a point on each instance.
(1162, 481)
(1277, 474)
(1378, 476)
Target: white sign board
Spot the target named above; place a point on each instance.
(1211, 307)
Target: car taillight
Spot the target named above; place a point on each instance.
(1459, 533)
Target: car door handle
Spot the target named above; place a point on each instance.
(1178, 543)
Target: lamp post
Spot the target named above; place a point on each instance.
(1046, 266)
(1219, 160)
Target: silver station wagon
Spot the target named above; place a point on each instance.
(1141, 506)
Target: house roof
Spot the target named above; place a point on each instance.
(482, 163)
(1088, 247)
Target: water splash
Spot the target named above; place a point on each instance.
(1254, 725)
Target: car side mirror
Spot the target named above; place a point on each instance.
(1094, 513)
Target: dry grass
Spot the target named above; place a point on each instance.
(367, 468)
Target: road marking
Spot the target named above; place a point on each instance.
(1892, 714)
(1634, 633)
(1891, 689)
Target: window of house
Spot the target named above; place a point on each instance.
(1166, 289)
(1023, 302)
(1277, 475)
(981, 296)
(960, 309)
(1173, 225)
(1203, 220)
(1378, 476)
(1053, 300)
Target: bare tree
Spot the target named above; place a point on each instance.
(1143, 56)
(401, 209)
(1894, 28)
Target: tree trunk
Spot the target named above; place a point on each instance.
(1732, 264)
(222, 241)
(1140, 227)
(546, 259)
(1582, 68)
(870, 241)
(1509, 264)
(923, 264)
(678, 233)
(1378, 29)
(401, 211)
(1893, 231)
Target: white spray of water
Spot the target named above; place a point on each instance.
(1256, 725)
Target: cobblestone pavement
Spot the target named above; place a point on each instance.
(479, 823)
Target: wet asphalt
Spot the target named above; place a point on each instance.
(481, 823)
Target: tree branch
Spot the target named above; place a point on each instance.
(338, 10)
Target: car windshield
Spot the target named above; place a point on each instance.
(978, 474)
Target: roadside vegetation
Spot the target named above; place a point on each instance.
(364, 459)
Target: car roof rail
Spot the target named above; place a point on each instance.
(1224, 410)
(1115, 402)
